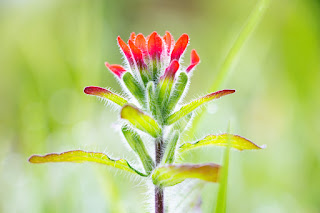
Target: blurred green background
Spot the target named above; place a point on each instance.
(50, 50)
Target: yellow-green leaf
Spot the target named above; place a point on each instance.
(170, 175)
(186, 109)
(104, 93)
(140, 120)
(236, 141)
(79, 156)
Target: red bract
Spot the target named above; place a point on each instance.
(150, 57)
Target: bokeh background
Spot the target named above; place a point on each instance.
(50, 50)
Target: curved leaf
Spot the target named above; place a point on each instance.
(186, 109)
(135, 142)
(140, 120)
(79, 156)
(104, 93)
(170, 175)
(236, 141)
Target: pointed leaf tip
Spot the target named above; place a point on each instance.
(194, 60)
(170, 175)
(180, 47)
(140, 120)
(104, 93)
(116, 69)
(79, 156)
(188, 108)
(237, 142)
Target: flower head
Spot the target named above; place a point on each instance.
(152, 57)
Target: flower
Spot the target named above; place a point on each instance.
(153, 57)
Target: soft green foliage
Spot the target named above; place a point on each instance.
(170, 175)
(79, 156)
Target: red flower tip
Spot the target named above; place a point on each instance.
(194, 60)
(116, 69)
(180, 47)
(168, 39)
(126, 50)
(141, 43)
(137, 54)
(171, 70)
(132, 36)
(155, 46)
(92, 90)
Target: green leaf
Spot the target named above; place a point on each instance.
(137, 90)
(170, 148)
(178, 90)
(151, 99)
(140, 120)
(104, 93)
(170, 175)
(79, 156)
(164, 89)
(135, 142)
(185, 110)
(237, 142)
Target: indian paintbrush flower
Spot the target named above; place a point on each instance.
(155, 82)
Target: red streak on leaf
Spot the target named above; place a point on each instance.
(93, 90)
(155, 46)
(195, 59)
(180, 47)
(116, 69)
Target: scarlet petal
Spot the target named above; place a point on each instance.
(137, 54)
(126, 50)
(168, 39)
(155, 46)
(180, 47)
(132, 36)
(172, 69)
(194, 60)
(116, 69)
(141, 43)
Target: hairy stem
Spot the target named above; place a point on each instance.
(159, 201)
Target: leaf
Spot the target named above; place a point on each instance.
(178, 90)
(170, 148)
(134, 87)
(135, 142)
(185, 110)
(79, 156)
(104, 93)
(170, 175)
(140, 120)
(237, 142)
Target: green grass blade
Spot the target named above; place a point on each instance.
(222, 193)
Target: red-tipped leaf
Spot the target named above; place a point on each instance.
(155, 46)
(194, 60)
(116, 69)
(104, 93)
(180, 47)
(126, 50)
